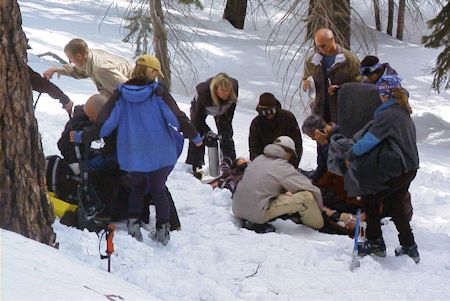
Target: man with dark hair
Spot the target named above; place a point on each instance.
(272, 121)
(330, 66)
(373, 70)
(106, 70)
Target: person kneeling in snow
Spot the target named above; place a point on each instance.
(271, 187)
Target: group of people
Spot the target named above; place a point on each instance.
(148, 131)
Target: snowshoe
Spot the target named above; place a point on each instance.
(411, 251)
(376, 247)
(161, 233)
(134, 228)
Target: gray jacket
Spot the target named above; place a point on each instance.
(269, 175)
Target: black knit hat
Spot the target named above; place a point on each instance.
(369, 61)
(369, 65)
(266, 101)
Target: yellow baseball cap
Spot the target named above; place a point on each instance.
(150, 61)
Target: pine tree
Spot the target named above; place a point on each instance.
(440, 37)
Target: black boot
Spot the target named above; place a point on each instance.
(411, 251)
(197, 172)
(376, 247)
(258, 228)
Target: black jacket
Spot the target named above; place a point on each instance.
(43, 85)
(204, 105)
(264, 131)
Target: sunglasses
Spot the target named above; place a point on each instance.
(267, 112)
(368, 70)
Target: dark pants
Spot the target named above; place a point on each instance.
(397, 198)
(153, 182)
(196, 155)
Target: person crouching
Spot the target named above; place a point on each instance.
(271, 187)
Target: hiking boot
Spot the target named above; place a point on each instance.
(411, 251)
(376, 247)
(134, 228)
(258, 228)
(197, 172)
(161, 233)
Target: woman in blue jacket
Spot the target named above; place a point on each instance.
(390, 147)
(149, 142)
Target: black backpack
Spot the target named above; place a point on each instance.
(60, 179)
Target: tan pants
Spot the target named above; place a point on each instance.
(302, 202)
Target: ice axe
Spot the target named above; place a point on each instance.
(355, 258)
(109, 234)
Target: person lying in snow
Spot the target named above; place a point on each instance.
(271, 187)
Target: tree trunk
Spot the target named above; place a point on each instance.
(235, 12)
(401, 19)
(341, 20)
(390, 24)
(24, 206)
(160, 41)
(335, 17)
(376, 10)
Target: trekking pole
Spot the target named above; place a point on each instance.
(109, 232)
(36, 102)
(355, 258)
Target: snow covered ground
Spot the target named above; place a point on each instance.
(211, 258)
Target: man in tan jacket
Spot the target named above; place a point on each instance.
(106, 70)
(271, 187)
(330, 66)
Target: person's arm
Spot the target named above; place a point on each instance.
(67, 70)
(186, 126)
(379, 130)
(43, 85)
(255, 145)
(198, 115)
(112, 122)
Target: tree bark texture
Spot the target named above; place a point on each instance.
(235, 12)
(376, 11)
(24, 206)
(160, 41)
(390, 24)
(401, 19)
(334, 15)
(342, 20)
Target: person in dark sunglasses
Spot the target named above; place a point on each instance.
(273, 121)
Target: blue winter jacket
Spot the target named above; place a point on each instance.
(148, 135)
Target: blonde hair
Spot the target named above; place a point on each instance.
(402, 98)
(222, 80)
(77, 46)
(140, 72)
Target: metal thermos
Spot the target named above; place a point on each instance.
(213, 158)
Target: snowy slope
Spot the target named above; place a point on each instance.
(211, 258)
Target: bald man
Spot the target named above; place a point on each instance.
(330, 66)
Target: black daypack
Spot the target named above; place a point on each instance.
(60, 179)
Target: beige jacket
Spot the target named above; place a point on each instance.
(264, 179)
(106, 70)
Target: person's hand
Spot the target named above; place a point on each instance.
(332, 89)
(72, 136)
(306, 85)
(321, 137)
(347, 163)
(68, 107)
(199, 144)
(49, 72)
(288, 193)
